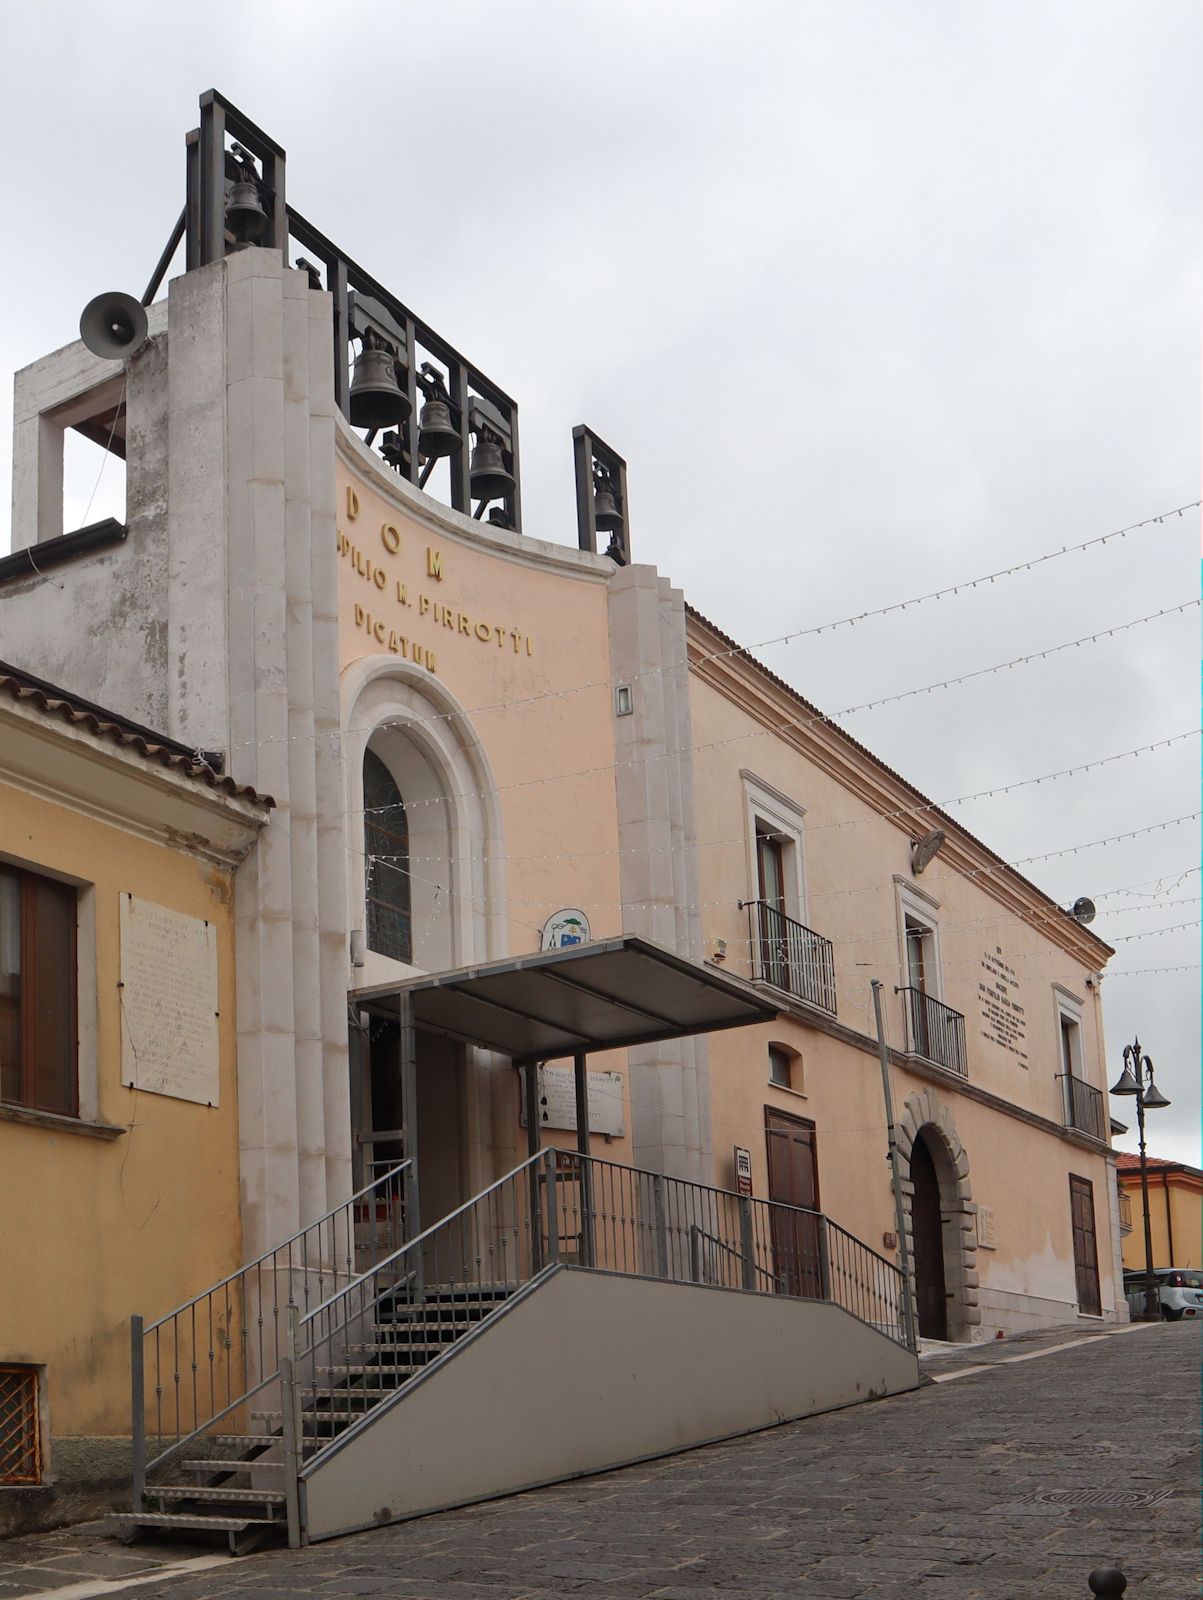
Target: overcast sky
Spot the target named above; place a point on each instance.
(873, 298)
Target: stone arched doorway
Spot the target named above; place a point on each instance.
(927, 1242)
(940, 1219)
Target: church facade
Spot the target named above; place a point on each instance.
(482, 745)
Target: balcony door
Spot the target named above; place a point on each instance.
(774, 940)
(794, 1181)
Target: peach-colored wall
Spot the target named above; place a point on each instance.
(432, 596)
(850, 859)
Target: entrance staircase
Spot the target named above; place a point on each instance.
(242, 1396)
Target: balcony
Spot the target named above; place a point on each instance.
(1083, 1107)
(935, 1031)
(792, 957)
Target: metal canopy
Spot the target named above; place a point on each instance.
(574, 1001)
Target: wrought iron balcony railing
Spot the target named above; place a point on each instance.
(935, 1031)
(791, 956)
(1083, 1106)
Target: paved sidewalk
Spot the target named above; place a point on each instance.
(1009, 1483)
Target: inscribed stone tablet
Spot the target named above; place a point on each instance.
(168, 1002)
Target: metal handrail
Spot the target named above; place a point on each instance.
(556, 1207)
(935, 1031)
(1083, 1106)
(213, 1354)
(791, 956)
(429, 1233)
(696, 1235)
(292, 1239)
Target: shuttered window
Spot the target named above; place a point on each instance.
(38, 1029)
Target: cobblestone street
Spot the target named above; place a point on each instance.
(1011, 1481)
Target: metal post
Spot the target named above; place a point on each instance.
(661, 1226)
(580, 1083)
(290, 1405)
(530, 1091)
(746, 1244)
(408, 1063)
(553, 1216)
(904, 1255)
(1152, 1299)
(137, 1410)
(824, 1258)
(695, 1253)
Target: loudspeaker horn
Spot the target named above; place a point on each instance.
(1083, 910)
(113, 326)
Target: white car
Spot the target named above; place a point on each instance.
(1180, 1290)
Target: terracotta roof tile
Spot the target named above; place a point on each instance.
(156, 749)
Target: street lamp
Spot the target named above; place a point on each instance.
(1137, 1079)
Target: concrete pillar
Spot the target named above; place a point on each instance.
(670, 1098)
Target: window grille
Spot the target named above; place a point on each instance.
(20, 1452)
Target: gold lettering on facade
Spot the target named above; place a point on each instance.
(352, 504)
(440, 613)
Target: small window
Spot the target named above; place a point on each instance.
(38, 1030)
(785, 1067)
(386, 868)
(20, 1441)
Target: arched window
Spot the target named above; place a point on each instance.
(386, 846)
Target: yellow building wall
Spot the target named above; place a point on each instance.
(1175, 1213)
(95, 1230)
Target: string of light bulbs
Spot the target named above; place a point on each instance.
(822, 827)
(949, 590)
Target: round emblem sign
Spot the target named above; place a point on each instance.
(566, 927)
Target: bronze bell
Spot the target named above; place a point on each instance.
(606, 514)
(245, 216)
(487, 474)
(377, 399)
(437, 434)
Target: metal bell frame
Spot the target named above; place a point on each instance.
(211, 171)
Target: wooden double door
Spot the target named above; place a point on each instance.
(794, 1181)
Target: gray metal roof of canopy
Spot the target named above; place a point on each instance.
(583, 998)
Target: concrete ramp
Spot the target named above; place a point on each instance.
(589, 1370)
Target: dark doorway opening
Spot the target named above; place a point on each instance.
(927, 1231)
(438, 1126)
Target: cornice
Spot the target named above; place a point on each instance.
(519, 548)
(744, 682)
(72, 768)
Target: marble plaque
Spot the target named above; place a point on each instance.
(168, 1002)
(557, 1100)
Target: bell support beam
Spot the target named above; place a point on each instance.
(590, 453)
